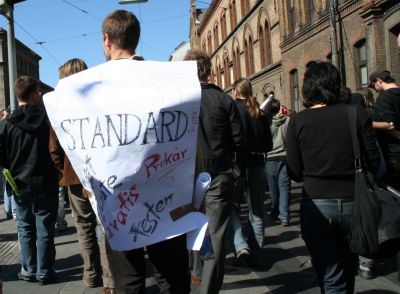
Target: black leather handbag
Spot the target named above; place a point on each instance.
(363, 235)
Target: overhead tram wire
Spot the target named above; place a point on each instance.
(66, 38)
(39, 43)
(82, 10)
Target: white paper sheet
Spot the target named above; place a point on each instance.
(129, 129)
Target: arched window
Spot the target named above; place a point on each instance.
(245, 6)
(236, 60)
(227, 72)
(209, 46)
(249, 55)
(218, 73)
(212, 75)
(292, 15)
(264, 36)
(203, 46)
(216, 36)
(232, 14)
(223, 26)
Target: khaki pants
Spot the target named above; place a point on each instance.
(95, 262)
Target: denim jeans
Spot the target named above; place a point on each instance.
(235, 231)
(279, 186)
(257, 183)
(9, 204)
(61, 222)
(325, 226)
(36, 225)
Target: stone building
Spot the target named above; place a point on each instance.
(272, 41)
(242, 37)
(27, 64)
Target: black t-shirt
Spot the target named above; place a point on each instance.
(387, 109)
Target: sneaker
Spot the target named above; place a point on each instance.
(366, 273)
(242, 255)
(285, 223)
(26, 278)
(49, 279)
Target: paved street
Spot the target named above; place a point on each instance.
(286, 268)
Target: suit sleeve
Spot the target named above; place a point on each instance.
(236, 126)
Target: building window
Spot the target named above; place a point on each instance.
(232, 13)
(361, 63)
(294, 90)
(244, 5)
(218, 74)
(204, 46)
(310, 10)
(265, 44)
(223, 26)
(249, 57)
(236, 63)
(227, 73)
(209, 43)
(292, 16)
(216, 37)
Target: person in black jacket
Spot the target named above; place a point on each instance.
(320, 153)
(257, 143)
(24, 139)
(219, 136)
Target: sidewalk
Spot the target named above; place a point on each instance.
(286, 268)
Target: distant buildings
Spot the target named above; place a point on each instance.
(271, 41)
(27, 64)
(179, 52)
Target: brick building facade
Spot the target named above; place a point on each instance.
(271, 41)
(242, 37)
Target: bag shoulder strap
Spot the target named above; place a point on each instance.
(352, 114)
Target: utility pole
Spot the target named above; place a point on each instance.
(7, 9)
(334, 42)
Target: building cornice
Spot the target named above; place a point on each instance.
(209, 13)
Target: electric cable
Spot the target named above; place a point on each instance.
(39, 43)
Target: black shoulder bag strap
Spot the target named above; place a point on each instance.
(352, 114)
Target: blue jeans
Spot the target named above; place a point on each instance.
(325, 226)
(257, 183)
(36, 226)
(235, 230)
(279, 186)
(9, 204)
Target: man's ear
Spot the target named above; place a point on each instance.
(107, 41)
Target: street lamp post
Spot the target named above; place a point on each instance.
(334, 42)
(7, 9)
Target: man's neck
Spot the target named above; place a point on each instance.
(389, 86)
(121, 54)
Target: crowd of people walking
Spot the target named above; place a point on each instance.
(244, 148)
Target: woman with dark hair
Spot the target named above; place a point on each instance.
(320, 153)
(258, 141)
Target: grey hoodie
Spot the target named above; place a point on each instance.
(279, 123)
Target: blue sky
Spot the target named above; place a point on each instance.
(72, 28)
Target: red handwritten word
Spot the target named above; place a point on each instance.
(155, 162)
(127, 200)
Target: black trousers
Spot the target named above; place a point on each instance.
(170, 260)
(393, 170)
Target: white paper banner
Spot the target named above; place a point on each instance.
(129, 129)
